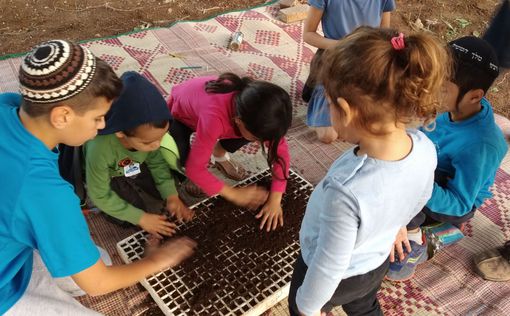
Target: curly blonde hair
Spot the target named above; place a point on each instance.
(380, 82)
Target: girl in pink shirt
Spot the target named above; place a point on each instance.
(227, 112)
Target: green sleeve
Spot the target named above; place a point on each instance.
(161, 174)
(98, 184)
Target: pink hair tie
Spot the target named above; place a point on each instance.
(398, 42)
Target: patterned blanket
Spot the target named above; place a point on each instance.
(274, 51)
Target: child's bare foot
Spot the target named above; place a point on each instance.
(231, 169)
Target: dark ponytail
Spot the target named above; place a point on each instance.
(226, 83)
(263, 107)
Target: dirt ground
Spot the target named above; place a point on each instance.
(25, 23)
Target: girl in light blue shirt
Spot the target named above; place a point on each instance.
(377, 82)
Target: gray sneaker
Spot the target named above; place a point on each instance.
(404, 270)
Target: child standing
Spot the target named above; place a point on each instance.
(470, 148)
(356, 211)
(494, 264)
(65, 93)
(127, 176)
(227, 112)
(338, 18)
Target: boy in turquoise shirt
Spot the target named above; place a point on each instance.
(65, 93)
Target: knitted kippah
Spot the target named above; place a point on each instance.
(55, 71)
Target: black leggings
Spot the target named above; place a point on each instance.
(139, 191)
(357, 294)
(427, 217)
(182, 134)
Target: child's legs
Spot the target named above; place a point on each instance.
(298, 276)
(313, 76)
(318, 116)
(443, 218)
(365, 305)
(426, 217)
(181, 134)
(306, 95)
(222, 162)
(44, 297)
(140, 191)
(417, 221)
(357, 294)
(232, 144)
(326, 134)
(148, 191)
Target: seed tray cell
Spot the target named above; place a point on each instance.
(236, 269)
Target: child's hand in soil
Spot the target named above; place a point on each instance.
(171, 253)
(157, 225)
(177, 208)
(250, 197)
(271, 213)
(151, 245)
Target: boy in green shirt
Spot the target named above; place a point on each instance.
(128, 171)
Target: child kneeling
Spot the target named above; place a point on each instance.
(470, 149)
(126, 173)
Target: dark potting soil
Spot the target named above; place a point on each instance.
(234, 259)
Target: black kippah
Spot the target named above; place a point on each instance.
(476, 52)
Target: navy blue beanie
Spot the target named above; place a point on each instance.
(139, 103)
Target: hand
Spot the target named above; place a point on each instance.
(157, 225)
(271, 213)
(250, 197)
(151, 245)
(397, 245)
(172, 252)
(177, 208)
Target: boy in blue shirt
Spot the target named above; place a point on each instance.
(470, 148)
(65, 94)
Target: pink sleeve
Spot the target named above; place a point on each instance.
(201, 149)
(279, 183)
